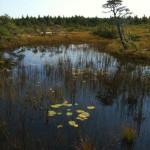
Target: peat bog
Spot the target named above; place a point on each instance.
(53, 97)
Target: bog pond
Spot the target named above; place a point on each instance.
(60, 97)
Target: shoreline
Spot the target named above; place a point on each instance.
(110, 46)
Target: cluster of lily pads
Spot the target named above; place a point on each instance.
(80, 114)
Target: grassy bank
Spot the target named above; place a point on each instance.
(56, 39)
(141, 52)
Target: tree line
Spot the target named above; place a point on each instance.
(9, 27)
(75, 21)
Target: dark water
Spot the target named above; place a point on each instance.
(41, 76)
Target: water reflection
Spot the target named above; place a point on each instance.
(42, 76)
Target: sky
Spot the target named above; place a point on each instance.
(86, 8)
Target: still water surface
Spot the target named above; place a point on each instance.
(77, 75)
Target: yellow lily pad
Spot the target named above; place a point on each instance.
(90, 107)
(60, 126)
(82, 116)
(79, 111)
(69, 113)
(81, 119)
(51, 113)
(59, 113)
(56, 105)
(73, 123)
(86, 114)
(68, 105)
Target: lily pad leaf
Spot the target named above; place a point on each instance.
(60, 126)
(91, 107)
(81, 119)
(73, 123)
(86, 114)
(79, 111)
(68, 105)
(69, 113)
(82, 116)
(59, 113)
(56, 105)
(51, 113)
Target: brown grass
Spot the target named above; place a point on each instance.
(61, 38)
(128, 135)
(111, 46)
(86, 144)
(143, 31)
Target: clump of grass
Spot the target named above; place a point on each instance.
(3, 130)
(86, 144)
(128, 135)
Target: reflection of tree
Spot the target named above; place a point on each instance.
(109, 86)
(127, 87)
(35, 50)
(6, 63)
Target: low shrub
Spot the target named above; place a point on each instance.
(135, 37)
(106, 31)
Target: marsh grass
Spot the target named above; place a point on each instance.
(139, 47)
(58, 39)
(3, 130)
(86, 144)
(128, 135)
(27, 98)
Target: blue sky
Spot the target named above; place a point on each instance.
(87, 8)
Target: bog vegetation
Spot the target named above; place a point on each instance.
(15, 32)
(60, 89)
(10, 27)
